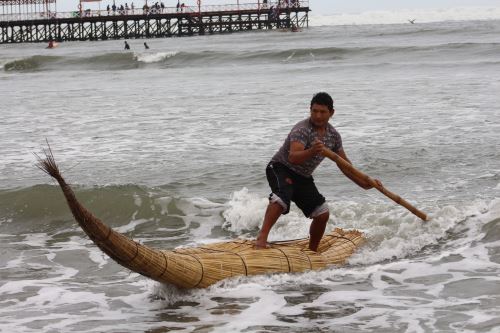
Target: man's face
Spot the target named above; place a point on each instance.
(320, 114)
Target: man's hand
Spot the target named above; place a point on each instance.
(379, 183)
(318, 148)
(298, 154)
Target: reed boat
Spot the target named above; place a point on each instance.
(203, 266)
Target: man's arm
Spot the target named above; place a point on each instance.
(362, 182)
(298, 154)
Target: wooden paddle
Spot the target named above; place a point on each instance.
(339, 160)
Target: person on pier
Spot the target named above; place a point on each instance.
(127, 47)
(289, 172)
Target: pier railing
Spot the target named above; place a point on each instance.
(193, 10)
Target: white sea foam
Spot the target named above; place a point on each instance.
(150, 58)
(163, 202)
(199, 210)
(131, 225)
(15, 262)
(36, 239)
(244, 211)
(493, 210)
(392, 232)
(203, 212)
(396, 293)
(402, 293)
(97, 256)
(403, 16)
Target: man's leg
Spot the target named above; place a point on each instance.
(313, 205)
(273, 212)
(317, 229)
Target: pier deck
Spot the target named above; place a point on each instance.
(167, 22)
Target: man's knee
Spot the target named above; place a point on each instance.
(274, 199)
(322, 219)
(321, 213)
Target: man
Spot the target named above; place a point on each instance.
(290, 171)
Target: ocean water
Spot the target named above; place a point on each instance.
(169, 146)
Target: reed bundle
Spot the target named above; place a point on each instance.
(202, 266)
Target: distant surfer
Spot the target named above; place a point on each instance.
(289, 172)
(146, 46)
(52, 44)
(127, 47)
(412, 21)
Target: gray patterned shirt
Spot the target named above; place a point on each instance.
(305, 133)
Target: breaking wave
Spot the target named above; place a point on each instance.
(174, 59)
(159, 219)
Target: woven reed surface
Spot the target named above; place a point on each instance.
(202, 266)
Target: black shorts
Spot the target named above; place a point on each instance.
(290, 186)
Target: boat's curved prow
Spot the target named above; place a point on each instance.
(125, 251)
(202, 266)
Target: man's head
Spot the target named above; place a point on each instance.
(322, 98)
(321, 109)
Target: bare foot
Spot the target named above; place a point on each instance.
(261, 245)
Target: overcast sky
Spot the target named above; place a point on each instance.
(355, 6)
(317, 6)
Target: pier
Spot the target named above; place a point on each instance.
(46, 24)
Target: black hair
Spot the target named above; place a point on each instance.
(322, 98)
